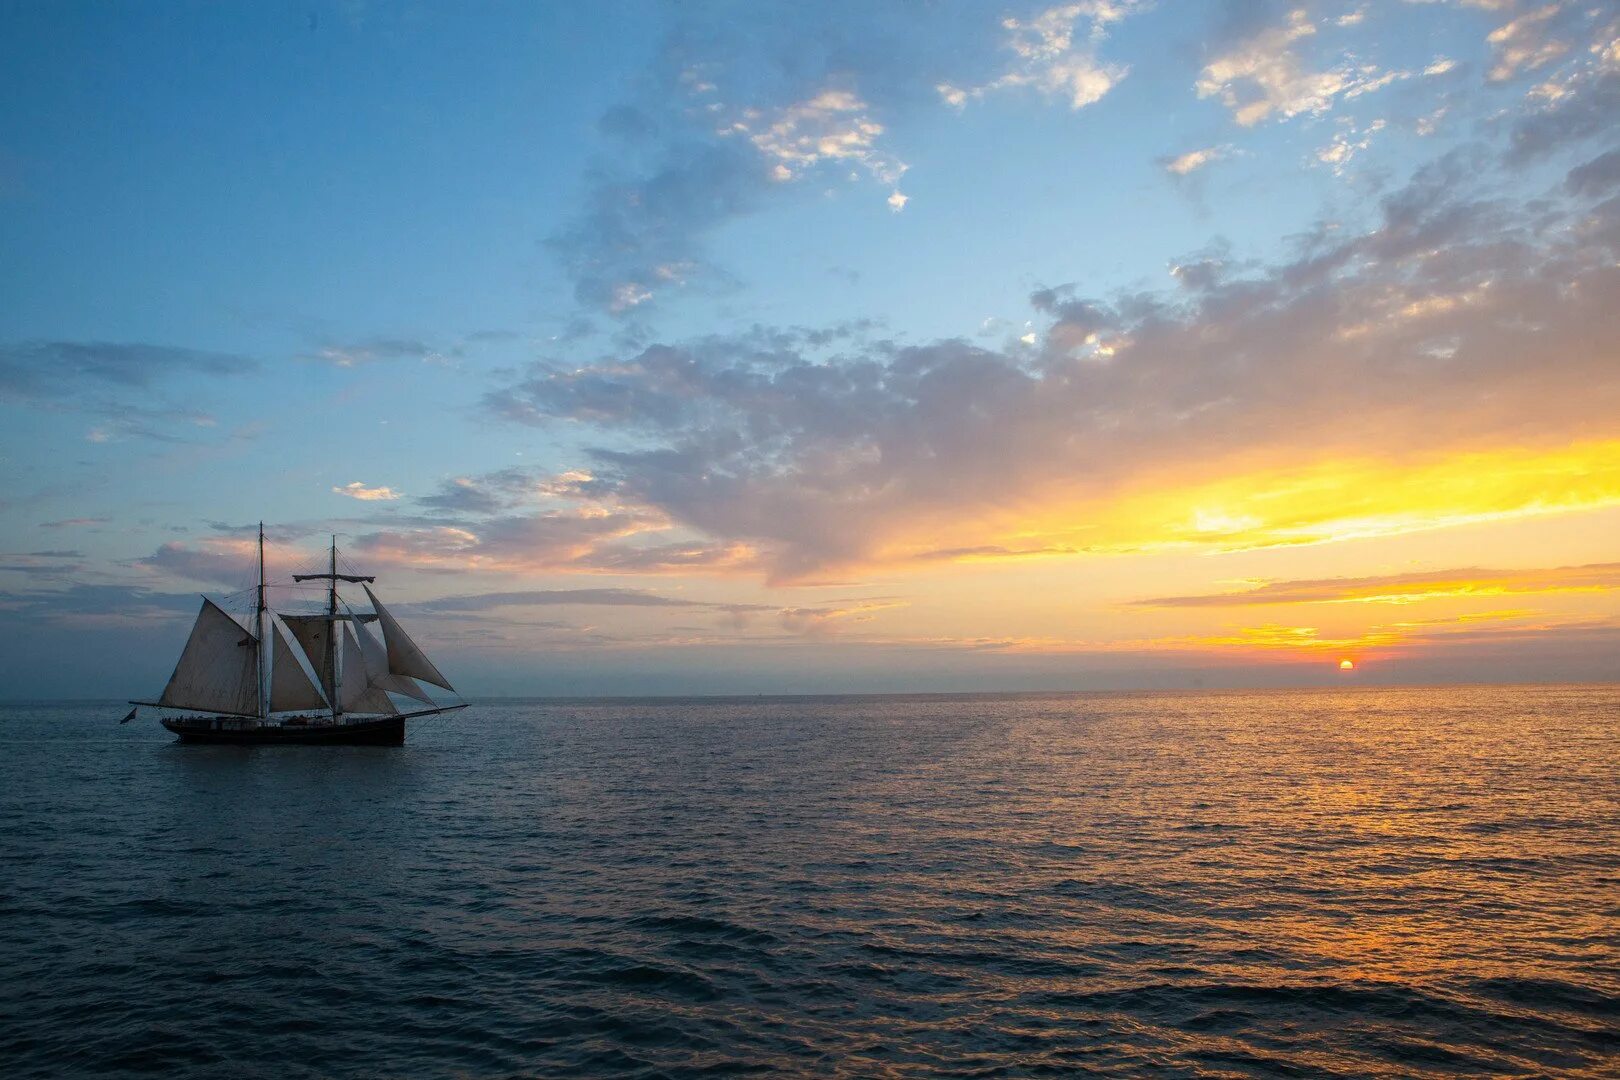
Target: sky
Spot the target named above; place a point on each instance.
(745, 348)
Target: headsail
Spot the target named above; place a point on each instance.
(219, 668)
(356, 693)
(292, 682)
(376, 657)
(404, 658)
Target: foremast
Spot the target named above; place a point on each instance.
(262, 648)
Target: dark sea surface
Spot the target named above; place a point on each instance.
(1314, 883)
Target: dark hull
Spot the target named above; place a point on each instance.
(386, 731)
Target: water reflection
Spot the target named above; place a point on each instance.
(1405, 882)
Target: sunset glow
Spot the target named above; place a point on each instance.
(743, 366)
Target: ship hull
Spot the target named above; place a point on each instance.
(384, 731)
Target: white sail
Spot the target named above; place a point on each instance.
(376, 658)
(218, 669)
(292, 681)
(404, 658)
(356, 693)
(312, 632)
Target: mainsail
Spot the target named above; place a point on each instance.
(404, 658)
(218, 669)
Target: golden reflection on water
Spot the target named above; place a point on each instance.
(1349, 882)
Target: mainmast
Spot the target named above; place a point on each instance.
(332, 635)
(333, 621)
(263, 643)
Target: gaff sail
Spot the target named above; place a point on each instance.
(218, 669)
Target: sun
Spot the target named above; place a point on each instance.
(1347, 665)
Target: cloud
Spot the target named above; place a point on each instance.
(1440, 364)
(834, 125)
(1052, 58)
(486, 494)
(565, 597)
(108, 381)
(1407, 588)
(43, 565)
(1263, 75)
(380, 349)
(1193, 160)
(1597, 177)
(71, 523)
(43, 370)
(692, 556)
(358, 490)
(737, 114)
(1347, 144)
(1383, 638)
(824, 621)
(1525, 43)
(1585, 107)
(122, 607)
(225, 561)
(734, 115)
(546, 540)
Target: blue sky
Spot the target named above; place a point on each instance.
(727, 304)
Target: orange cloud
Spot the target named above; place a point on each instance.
(1253, 506)
(1408, 588)
(1285, 643)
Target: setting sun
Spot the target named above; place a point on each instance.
(1347, 665)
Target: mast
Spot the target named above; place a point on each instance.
(331, 632)
(333, 622)
(263, 660)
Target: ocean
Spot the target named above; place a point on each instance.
(1358, 882)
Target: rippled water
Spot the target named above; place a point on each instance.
(1398, 882)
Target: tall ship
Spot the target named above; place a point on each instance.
(287, 677)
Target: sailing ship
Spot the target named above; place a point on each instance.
(299, 678)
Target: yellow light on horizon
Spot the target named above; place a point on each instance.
(1347, 665)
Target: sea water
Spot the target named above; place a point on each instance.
(1359, 882)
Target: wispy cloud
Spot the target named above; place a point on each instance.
(1193, 160)
(1264, 75)
(1526, 42)
(832, 126)
(58, 369)
(74, 523)
(358, 490)
(565, 598)
(1408, 588)
(1056, 53)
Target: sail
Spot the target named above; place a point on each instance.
(376, 658)
(356, 693)
(404, 658)
(292, 682)
(313, 634)
(218, 669)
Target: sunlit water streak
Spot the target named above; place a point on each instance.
(1397, 882)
